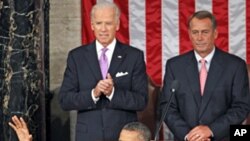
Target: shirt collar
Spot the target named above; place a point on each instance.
(110, 47)
(208, 58)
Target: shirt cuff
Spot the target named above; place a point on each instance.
(212, 134)
(95, 99)
(111, 95)
(185, 138)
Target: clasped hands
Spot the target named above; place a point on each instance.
(104, 86)
(199, 133)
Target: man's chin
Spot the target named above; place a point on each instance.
(200, 46)
(102, 40)
(104, 43)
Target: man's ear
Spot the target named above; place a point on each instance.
(216, 33)
(189, 33)
(118, 25)
(92, 25)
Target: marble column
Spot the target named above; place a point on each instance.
(23, 75)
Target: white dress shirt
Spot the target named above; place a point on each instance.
(208, 59)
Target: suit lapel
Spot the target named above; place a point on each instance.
(193, 78)
(117, 58)
(215, 71)
(91, 57)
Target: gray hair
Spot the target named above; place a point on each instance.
(106, 4)
(144, 132)
(202, 15)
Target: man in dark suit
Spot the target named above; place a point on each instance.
(105, 101)
(211, 95)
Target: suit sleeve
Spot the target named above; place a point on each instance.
(70, 95)
(133, 96)
(239, 108)
(173, 119)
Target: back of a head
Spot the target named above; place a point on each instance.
(143, 130)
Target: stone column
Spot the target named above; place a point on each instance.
(22, 66)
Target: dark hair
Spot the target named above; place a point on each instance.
(202, 15)
(145, 134)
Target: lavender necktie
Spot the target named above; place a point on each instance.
(104, 63)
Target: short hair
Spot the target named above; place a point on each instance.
(202, 15)
(144, 132)
(105, 4)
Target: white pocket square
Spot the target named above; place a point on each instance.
(119, 74)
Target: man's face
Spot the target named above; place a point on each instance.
(202, 35)
(126, 135)
(104, 24)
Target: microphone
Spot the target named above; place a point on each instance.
(174, 88)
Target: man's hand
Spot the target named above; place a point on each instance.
(104, 86)
(109, 85)
(199, 133)
(20, 127)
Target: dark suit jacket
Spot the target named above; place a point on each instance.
(226, 98)
(104, 120)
